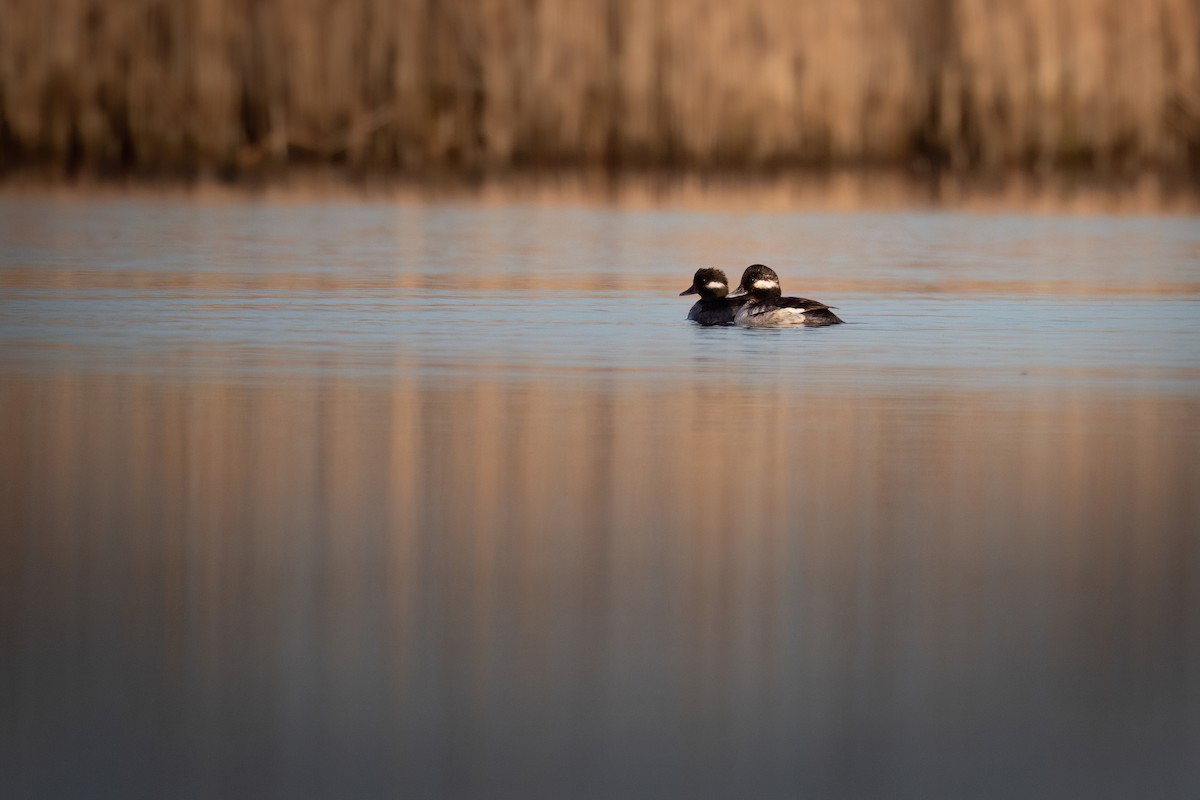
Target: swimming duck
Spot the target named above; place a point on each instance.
(766, 308)
(713, 307)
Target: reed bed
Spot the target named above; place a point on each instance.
(413, 86)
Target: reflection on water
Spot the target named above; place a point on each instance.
(340, 500)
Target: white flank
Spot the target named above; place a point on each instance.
(766, 285)
(714, 285)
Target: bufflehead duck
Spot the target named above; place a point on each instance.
(713, 307)
(765, 308)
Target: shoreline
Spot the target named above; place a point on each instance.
(849, 189)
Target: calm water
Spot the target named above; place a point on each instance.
(367, 499)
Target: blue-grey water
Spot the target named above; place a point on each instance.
(363, 498)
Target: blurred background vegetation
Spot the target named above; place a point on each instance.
(232, 88)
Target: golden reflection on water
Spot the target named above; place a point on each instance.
(530, 588)
(692, 458)
(271, 285)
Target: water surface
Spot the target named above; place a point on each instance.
(352, 499)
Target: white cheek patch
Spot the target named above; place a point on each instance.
(766, 284)
(714, 285)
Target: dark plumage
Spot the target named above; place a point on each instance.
(713, 307)
(765, 307)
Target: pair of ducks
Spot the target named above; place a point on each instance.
(756, 303)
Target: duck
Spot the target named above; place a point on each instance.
(765, 307)
(713, 307)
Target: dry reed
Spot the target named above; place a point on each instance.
(230, 86)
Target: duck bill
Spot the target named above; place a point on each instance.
(738, 292)
(689, 290)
